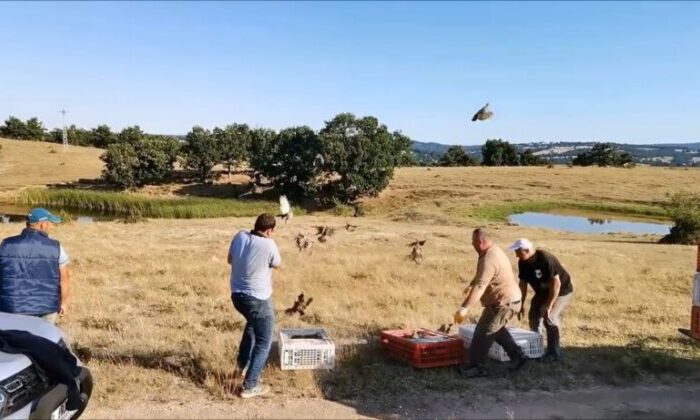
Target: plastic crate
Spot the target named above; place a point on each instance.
(531, 342)
(695, 322)
(306, 348)
(696, 290)
(435, 349)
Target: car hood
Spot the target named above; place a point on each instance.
(13, 363)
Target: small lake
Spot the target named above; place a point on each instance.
(18, 214)
(591, 224)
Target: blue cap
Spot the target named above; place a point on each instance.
(42, 215)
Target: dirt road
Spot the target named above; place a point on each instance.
(678, 401)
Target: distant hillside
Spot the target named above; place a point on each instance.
(673, 154)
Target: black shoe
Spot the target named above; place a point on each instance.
(518, 364)
(550, 358)
(473, 371)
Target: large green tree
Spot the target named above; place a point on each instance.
(361, 153)
(233, 142)
(201, 152)
(499, 153)
(146, 159)
(297, 164)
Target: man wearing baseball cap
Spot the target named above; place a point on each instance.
(34, 276)
(553, 291)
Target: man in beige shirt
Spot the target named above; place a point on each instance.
(494, 284)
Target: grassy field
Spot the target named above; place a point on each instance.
(151, 312)
(28, 163)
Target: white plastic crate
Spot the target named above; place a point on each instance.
(531, 342)
(299, 351)
(696, 290)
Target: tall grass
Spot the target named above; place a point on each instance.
(107, 202)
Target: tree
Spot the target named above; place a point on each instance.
(14, 128)
(138, 159)
(35, 129)
(102, 136)
(456, 156)
(361, 153)
(233, 142)
(528, 158)
(499, 153)
(201, 152)
(296, 167)
(120, 165)
(403, 152)
(261, 148)
(603, 154)
(684, 210)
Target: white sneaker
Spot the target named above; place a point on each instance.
(256, 391)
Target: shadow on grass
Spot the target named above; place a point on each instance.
(367, 380)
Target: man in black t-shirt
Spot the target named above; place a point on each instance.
(553, 291)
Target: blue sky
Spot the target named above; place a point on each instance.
(627, 72)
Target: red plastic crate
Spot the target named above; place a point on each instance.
(423, 355)
(695, 322)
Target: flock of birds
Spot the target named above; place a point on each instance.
(305, 243)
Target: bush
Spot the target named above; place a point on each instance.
(604, 154)
(684, 210)
(456, 156)
(233, 142)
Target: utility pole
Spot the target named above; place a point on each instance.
(65, 131)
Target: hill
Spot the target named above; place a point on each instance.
(666, 154)
(26, 163)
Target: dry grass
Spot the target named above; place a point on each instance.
(29, 163)
(451, 194)
(151, 311)
(151, 308)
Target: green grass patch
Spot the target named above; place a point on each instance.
(500, 212)
(120, 203)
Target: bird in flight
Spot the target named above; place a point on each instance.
(285, 209)
(483, 114)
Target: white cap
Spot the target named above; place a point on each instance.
(522, 243)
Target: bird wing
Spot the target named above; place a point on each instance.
(284, 205)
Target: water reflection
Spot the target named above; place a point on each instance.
(581, 224)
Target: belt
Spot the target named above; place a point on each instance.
(496, 305)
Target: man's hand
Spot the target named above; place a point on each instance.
(460, 315)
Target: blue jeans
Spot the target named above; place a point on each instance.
(257, 335)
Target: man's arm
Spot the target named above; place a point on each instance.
(554, 289)
(65, 287)
(276, 260)
(484, 274)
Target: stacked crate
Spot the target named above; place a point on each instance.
(434, 349)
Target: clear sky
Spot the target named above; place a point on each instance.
(626, 72)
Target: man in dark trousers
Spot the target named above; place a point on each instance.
(494, 286)
(252, 255)
(553, 292)
(34, 276)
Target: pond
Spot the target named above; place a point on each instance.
(11, 213)
(588, 224)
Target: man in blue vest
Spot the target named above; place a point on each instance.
(34, 276)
